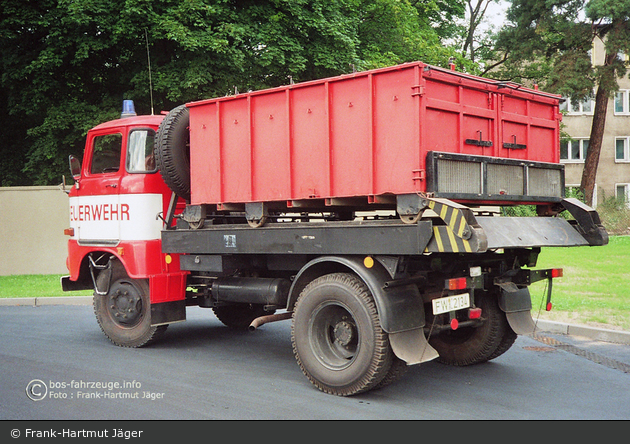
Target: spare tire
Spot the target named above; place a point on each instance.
(172, 151)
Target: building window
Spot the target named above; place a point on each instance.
(583, 107)
(573, 150)
(622, 149)
(622, 106)
(622, 193)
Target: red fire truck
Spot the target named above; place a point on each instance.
(361, 207)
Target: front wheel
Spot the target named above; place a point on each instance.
(337, 337)
(124, 313)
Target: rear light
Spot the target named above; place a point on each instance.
(457, 284)
(474, 313)
(556, 272)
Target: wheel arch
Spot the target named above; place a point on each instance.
(400, 308)
(84, 276)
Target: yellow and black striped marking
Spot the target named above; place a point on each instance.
(453, 217)
(457, 235)
(444, 240)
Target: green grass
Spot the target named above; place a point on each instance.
(35, 285)
(594, 290)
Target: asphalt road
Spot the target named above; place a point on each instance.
(203, 370)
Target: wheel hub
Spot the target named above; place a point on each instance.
(343, 333)
(125, 305)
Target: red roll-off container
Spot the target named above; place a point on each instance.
(365, 134)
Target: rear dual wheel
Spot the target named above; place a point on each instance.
(474, 345)
(240, 316)
(337, 337)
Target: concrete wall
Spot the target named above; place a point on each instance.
(32, 220)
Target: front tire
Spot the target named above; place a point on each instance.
(337, 338)
(124, 313)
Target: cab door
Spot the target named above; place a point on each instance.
(95, 210)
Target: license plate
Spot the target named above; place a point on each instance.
(451, 303)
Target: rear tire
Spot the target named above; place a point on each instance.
(337, 338)
(239, 316)
(509, 337)
(474, 345)
(124, 313)
(397, 370)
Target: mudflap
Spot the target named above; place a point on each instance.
(517, 305)
(521, 322)
(164, 313)
(412, 346)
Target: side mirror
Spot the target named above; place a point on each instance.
(75, 167)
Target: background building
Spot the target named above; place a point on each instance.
(613, 174)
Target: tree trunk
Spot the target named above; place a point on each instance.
(597, 134)
(595, 145)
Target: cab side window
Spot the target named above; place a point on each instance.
(140, 157)
(106, 154)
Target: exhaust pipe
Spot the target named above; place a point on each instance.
(267, 319)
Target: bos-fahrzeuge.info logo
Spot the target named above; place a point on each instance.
(37, 390)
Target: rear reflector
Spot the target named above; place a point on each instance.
(548, 306)
(474, 313)
(454, 324)
(556, 272)
(69, 231)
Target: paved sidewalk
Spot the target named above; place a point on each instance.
(598, 334)
(39, 301)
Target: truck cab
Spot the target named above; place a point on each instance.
(117, 211)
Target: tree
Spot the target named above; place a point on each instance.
(68, 64)
(549, 41)
(476, 11)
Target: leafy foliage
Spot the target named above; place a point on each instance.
(68, 64)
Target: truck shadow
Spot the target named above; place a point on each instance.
(270, 346)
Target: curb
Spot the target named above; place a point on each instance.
(41, 301)
(598, 334)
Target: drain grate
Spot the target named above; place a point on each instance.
(540, 349)
(594, 357)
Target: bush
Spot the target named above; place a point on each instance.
(519, 211)
(530, 210)
(615, 216)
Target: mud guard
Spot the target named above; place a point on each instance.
(412, 346)
(517, 305)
